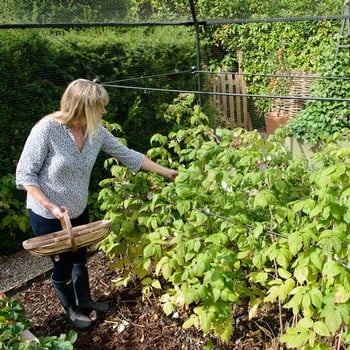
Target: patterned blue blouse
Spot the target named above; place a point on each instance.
(52, 161)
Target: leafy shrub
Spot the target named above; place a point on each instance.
(14, 222)
(243, 222)
(13, 323)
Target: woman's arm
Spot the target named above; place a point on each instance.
(40, 196)
(149, 165)
(131, 158)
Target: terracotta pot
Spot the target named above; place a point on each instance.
(274, 120)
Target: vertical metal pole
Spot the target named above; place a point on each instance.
(343, 36)
(198, 62)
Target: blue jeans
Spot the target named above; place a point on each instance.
(62, 269)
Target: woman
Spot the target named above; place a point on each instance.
(54, 169)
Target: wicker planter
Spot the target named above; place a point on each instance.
(299, 83)
(274, 120)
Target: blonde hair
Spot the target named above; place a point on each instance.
(83, 100)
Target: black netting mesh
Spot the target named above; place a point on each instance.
(134, 11)
(168, 22)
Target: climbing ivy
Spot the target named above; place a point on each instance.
(320, 119)
(268, 50)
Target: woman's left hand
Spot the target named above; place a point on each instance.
(149, 165)
(172, 174)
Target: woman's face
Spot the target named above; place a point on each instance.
(103, 111)
(100, 110)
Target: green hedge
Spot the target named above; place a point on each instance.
(37, 65)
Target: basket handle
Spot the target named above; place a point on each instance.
(67, 225)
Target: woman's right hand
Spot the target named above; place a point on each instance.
(58, 212)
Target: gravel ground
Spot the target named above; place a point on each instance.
(18, 268)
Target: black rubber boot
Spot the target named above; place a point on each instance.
(65, 293)
(80, 278)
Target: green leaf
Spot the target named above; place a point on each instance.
(217, 238)
(259, 277)
(331, 269)
(166, 271)
(200, 218)
(168, 308)
(295, 242)
(156, 284)
(342, 295)
(317, 258)
(160, 264)
(285, 289)
(329, 241)
(146, 281)
(301, 274)
(189, 297)
(295, 337)
(295, 302)
(306, 323)
(227, 333)
(283, 257)
(345, 195)
(199, 268)
(146, 264)
(191, 321)
(228, 295)
(259, 229)
(158, 138)
(346, 216)
(217, 283)
(263, 199)
(183, 207)
(298, 206)
(189, 256)
(321, 329)
(333, 320)
(316, 211)
(197, 245)
(306, 303)
(72, 336)
(273, 294)
(316, 297)
(283, 273)
(205, 322)
(149, 251)
(216, 294)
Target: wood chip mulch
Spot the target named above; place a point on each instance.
(132, 323)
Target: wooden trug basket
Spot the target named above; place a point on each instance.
(69, 238)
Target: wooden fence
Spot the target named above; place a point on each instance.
(233, 108)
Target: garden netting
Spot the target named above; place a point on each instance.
(147, 53)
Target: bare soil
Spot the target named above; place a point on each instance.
(132, 323)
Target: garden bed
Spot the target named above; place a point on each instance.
(135, 324)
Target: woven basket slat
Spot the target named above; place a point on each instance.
(299, 86)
